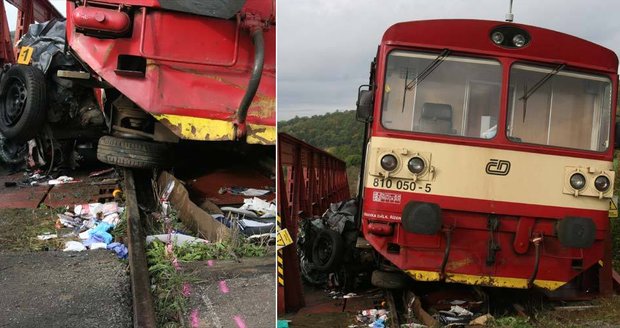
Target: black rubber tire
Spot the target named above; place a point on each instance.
(139, 154)
(327, 250)
(29, 122)
(389, 280)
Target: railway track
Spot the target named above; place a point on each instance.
(142, 299)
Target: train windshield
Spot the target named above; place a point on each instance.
(452, 96)
(569, 110)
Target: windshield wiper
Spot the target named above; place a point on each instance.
(528, 93)
(428, 69)
(425, 72)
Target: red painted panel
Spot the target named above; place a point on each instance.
(196, 66)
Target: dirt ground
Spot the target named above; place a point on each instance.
(45, 287)
(19, 229)
(233, 293)
(57, 289)
(322, 310)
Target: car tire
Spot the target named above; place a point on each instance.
(131, 153)
(327, 250)
(22, 103)
(389, 280)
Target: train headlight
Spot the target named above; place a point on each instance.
(602, 183)
(497, 37)
(416, 165)
(518, 40)
(389, 162)
(577, 181)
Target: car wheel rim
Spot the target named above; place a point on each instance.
(14, 102)
(325, 251)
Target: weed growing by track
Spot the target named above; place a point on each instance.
(168, 282)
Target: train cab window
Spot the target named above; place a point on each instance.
(569, 109)
(447, 95)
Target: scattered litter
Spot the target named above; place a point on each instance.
(283, 323)
(47, 236)
(266, 209)
(166, 194)
(97, 210)
(178, 239)
(112, 219)
(74, 246)
(239, 211)
(373, 317)
(101, 172)
(69, 221)
(248, 192)
(481, 320)
(120, 250)
(102, 236)
(247, 226)
(456, 315)
(263, 237)
(61, 180)
(85, 234)
(108, 181)
(98, 246)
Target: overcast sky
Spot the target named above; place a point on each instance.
(11, 11)
(325, 46)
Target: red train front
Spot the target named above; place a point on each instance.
(489, 153)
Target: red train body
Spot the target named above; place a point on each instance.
(489, 154)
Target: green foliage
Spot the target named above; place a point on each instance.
(512, 322)
(168, 282)
(339, 133)
(168, 286)
(120, 230)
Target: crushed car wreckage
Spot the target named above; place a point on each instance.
(109, 83)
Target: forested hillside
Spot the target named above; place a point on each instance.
(338, 133)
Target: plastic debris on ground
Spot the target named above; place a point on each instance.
(248, 192)
(256, 219)
(92, 224)
(481, 320)
(456, 307)
(456, 315)
(178, 239)
(119, 249)
(61, 180)
(74, 246)
(47, 236)
(101, 172)
(283, 323)
(375, 318)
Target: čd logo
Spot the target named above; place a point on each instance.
(498, 167)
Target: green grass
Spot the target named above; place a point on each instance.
(511, 322)
(170, 303)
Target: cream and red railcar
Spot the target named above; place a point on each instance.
(489, 154)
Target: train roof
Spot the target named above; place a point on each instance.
(467, 35)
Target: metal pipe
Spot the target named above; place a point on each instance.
(257, 72)
(446, 254)
(536, 241)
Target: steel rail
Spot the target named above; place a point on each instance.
(142, 299)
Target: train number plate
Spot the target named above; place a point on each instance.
(400, 184)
